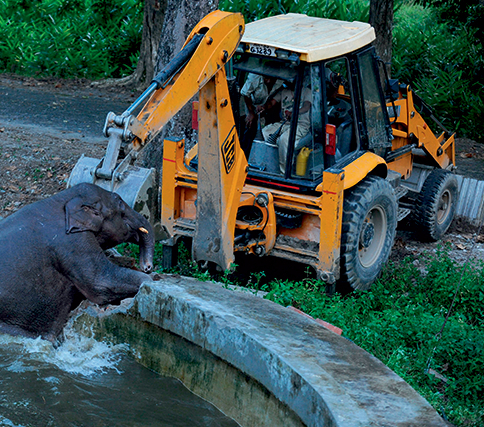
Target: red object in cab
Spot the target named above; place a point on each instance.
(330, 145)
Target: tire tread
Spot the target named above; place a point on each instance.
(356, 204)
(424, 216)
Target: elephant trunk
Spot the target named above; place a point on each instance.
(146, 248)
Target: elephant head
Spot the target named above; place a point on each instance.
(93, 209)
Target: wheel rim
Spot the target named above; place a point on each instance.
(372, 236)
(444, 206)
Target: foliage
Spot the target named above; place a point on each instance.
(70, 38)
(444, 64)
(457, 12)
(349, 10)
(437, 44)
(186, 266)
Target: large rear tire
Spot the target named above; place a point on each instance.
(368, 231)
(436, 205)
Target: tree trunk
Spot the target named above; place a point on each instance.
(181, 16)
(153, 21)
(381, 18)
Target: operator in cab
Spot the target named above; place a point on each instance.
(279, 132)
(256, 91)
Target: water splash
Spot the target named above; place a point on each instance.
(79, 383)
(78, 354)
(5, 422)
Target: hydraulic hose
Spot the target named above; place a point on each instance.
(178, 62)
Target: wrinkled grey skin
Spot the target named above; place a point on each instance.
(51, 258)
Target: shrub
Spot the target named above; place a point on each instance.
(70, 38)
(348, 10)
(444, 64)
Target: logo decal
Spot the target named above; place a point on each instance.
(228, 150)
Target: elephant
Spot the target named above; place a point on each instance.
(52, 257)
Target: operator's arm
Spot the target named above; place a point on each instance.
(305, 104)
(251, 111)
(247, 91)
(270, 103)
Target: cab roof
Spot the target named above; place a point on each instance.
(313, 39)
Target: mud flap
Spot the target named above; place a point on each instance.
(136, 186)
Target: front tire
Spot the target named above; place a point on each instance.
(368, 231)
(435, 205)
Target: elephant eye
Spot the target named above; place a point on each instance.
(90, 210)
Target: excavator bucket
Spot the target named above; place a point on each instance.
(136, 186)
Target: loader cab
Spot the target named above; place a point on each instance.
(347, 113)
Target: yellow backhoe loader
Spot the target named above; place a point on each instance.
(317, 164)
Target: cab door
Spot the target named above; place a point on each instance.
(376, 134)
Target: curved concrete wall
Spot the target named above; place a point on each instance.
(325, 379)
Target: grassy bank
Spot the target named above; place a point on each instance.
(402, 322)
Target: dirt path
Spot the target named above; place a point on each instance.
(46, 125)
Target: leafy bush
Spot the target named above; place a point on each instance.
(444, 64)
(348, 10)
(457, 12)
(256, 9)
(70, 38)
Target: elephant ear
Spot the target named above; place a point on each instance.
(82, 215)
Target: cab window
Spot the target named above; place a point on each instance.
(375, 116)
(339, 110)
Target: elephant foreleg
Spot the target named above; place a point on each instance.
(101, 281)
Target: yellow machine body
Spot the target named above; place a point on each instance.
(224, 203)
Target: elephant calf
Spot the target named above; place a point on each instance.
(52, 257)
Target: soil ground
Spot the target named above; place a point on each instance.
(46, 125)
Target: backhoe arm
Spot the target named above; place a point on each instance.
(208, 47)
(197, 68)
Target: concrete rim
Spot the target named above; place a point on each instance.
(324, 378)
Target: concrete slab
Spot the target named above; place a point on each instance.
(325, 379)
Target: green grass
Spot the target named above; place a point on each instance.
(399, 321)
